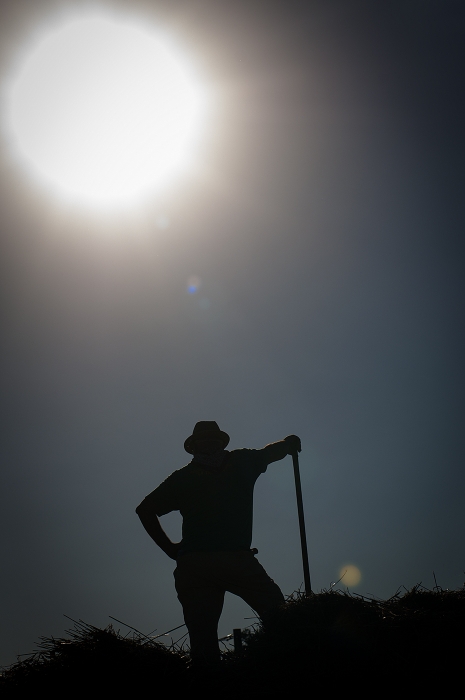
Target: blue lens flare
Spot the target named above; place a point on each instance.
(193, 284)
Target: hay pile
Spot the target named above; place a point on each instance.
(94, 662)
(332, 642)
(336, 641)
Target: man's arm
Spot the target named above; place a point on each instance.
(153, 527)
(278, 450)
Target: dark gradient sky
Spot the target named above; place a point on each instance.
(325, 222)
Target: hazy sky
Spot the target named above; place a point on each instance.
(324, 220)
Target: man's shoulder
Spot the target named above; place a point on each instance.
(173, 479)
(180, 474)
(242, 455)
(170, 486)
(247, 456)
(245, 453)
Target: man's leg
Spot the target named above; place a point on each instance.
(247, 578)
(202, 602)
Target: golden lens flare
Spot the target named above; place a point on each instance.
(350, 575)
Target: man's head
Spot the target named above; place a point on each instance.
(207, 446)
(206, 438)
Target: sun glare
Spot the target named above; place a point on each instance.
(104, 111)
(350, 575)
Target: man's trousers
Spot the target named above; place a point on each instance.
(202, 578)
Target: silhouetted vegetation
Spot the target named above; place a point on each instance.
(332, 642)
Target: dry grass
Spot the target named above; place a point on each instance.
(333, 642)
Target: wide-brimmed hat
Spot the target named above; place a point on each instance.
(203, 430)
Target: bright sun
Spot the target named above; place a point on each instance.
(104, 111)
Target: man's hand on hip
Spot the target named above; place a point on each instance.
(172, 550)
(152, 525)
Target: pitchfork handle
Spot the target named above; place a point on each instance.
(300, 510)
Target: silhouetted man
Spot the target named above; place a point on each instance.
(214, 494)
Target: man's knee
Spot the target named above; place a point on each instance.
(258, 590)
(270, 603)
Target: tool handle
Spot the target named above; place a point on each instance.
(300, 511)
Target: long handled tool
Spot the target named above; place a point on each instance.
(300, 510)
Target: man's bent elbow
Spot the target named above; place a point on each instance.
(146, 513)
(142, 510)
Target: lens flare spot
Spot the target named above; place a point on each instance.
(193, 284)
(350, 575)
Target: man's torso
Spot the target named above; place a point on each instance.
(216, 503)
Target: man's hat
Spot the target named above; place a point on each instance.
(204, 430)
